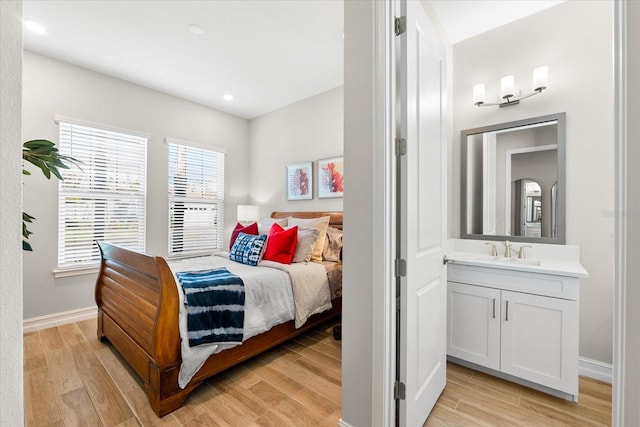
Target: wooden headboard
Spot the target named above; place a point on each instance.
(335, 221)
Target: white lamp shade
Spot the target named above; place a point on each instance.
(507, 86)
(478, 94)
(248, 213)
(540, 78)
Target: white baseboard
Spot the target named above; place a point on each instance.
(57, 319)
(597, 370)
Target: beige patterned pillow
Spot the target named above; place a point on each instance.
(320, 224)
(306, 242)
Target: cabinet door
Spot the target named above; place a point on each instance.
(540, 340)
(473, 324)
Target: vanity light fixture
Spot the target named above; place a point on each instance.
(508, 91)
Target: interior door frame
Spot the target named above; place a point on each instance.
(621, 348)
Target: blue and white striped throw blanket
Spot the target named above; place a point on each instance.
(215, 306)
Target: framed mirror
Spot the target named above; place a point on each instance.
(513, 181)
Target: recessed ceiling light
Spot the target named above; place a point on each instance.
(35, 27)
(228, 97)
(196, 29)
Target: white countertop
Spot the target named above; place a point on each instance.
(560, 260)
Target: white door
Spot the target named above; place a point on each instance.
(422, 216)
(473, 324)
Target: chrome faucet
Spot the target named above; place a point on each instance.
(494, 251)
(507, 249)
(521, 251)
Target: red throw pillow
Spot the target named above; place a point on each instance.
(281, 244)
(249, 229)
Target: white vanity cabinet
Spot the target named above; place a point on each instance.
(519, 325)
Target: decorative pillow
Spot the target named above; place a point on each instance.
(306, 241)
(281, 244)
(249, 229)
(264, 225)
(332, 245)
(247, 248)
(320, 224)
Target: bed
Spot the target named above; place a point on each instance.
(138, 305)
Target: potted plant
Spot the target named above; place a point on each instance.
(44, 155)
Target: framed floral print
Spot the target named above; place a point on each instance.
(300, 181)
(330, 177)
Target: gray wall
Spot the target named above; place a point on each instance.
(308, 130)
(52, 87)
(359, 149)
(575, 40)
(11, 391)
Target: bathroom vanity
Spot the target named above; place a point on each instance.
(516, 318)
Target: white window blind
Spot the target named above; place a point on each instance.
(196, 199)
(105, 198)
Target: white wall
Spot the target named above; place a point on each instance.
(52, 87)
(575, 40)
(631, 298)
(11, 389)
(308, 130)
(364, 143)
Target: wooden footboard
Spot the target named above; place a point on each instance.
(138, 307)
(137, 303)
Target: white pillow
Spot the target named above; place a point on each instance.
(307, 238)
(320, 224)
(264, 225)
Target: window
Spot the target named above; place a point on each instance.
(104, 199)
(196, 199)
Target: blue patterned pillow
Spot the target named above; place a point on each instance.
(247, 248)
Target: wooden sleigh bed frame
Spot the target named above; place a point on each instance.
(137, 301)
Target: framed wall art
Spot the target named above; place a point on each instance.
(300, 181)
(330, 177)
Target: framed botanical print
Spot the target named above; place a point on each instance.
(330, 177)
(300, 181)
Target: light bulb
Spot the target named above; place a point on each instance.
(540, 78)
(507, 87)
(478, 94)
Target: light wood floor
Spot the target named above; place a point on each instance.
(472, 398)
(73, 379)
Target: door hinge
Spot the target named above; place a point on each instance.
(401, 267)
(401, 146)
(399, 391)
(401, 25)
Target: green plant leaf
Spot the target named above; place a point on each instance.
(44, 155)
(25, 232)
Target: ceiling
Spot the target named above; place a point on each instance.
(267, 54)
(463, 19)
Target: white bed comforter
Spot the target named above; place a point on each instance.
(274, 293)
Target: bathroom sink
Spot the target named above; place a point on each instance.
(495, 259)
(476, 257)
(523, 261)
